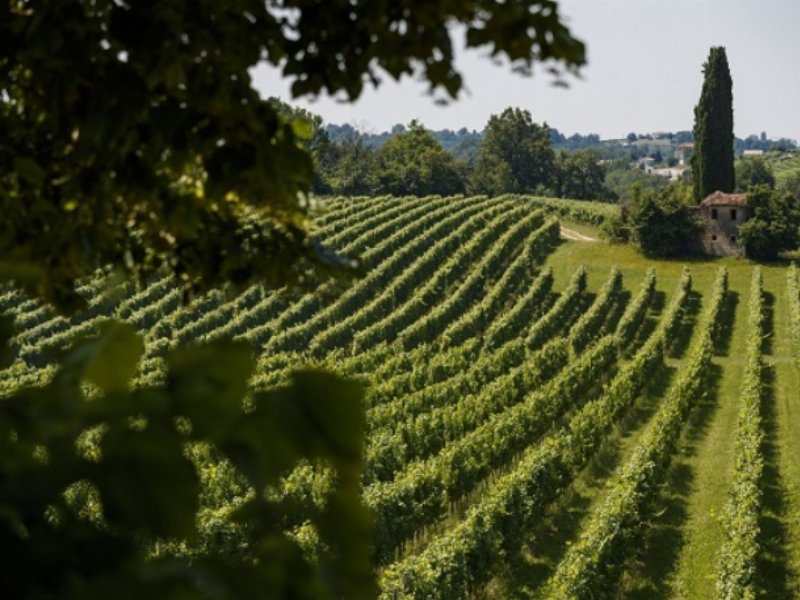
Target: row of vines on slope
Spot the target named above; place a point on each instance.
(462, 558)
(594, 560)
(740, 519)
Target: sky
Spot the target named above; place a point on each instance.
(644, 74)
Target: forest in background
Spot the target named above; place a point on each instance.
(413, 160)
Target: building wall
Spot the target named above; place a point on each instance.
(721, 236)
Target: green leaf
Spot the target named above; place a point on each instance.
(146, 482)
(263, 446)
(319, 415)
(25, 275)
(6, 332)
(208, 384)
(303, 128)
(331, 408)
(109, 360)
(29, 170)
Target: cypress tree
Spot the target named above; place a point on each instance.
(712, 161)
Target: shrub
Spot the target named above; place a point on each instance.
(663, 223)
(772, 227)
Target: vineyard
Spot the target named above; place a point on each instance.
(544, 418)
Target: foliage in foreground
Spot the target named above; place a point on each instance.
(168, 171)
(190, 169)
(93, 476)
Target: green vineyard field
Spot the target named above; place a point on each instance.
(545, 417)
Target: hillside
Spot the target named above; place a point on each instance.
(545, 416)
(785, 168)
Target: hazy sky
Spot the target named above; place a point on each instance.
(644, 73)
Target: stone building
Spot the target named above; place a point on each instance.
(723, 213)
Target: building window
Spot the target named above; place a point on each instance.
(733, 214)
(713, 238)
(713, 213)
(733, 239)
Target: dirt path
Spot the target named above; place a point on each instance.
(577, 236)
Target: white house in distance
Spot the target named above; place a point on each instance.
(671, 173)
(752, 153)
(683, 153)
(646, 164)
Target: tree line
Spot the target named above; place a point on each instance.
(513, 155)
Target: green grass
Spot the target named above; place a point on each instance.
(679, 559)
(785, 168)
(678, 556)
(780, 560)
(527, 571)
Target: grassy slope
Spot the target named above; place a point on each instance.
(779, 567)
(550, 538)
(678, 560)
(784, 169)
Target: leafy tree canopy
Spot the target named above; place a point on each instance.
(772, 227)
(580, 175)
(516, 155)
(132, 134)
(413, 163)
(791, 185)
(753, 171)
(663, 223)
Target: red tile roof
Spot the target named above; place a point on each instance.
(722, 199)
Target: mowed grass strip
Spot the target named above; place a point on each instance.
(677, 558)
(523, 574)
(779, 560)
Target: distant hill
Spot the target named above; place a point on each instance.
(464, 144)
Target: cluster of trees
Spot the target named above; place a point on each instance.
(751, 142)
(773, 224)
(411, 162)
(574, 142)
(463, 144)
(775, 210)
(662, 220)
(513, 155)
(762, 142)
